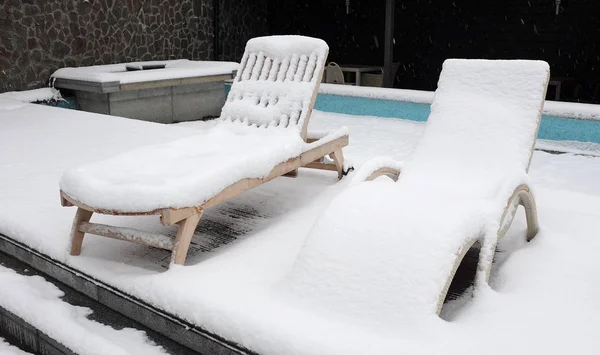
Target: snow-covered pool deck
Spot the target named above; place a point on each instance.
(544, 296)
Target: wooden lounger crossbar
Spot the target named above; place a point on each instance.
(187, 218)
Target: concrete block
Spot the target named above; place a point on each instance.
(197, 101)
(147, 108)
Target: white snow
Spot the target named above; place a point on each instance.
(189, 171)
(174, 69)
(43, 94)
(418, 96)
(155, 239)
(38, 303)
(572, 109)
(277, 82)
(574, 147)
(282, 46)
(482, 126)
(541, 298)
(7, 349)
(375, 256)
(182, 173)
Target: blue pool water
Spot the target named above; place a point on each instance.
(551, 127)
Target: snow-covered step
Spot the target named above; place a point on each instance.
(46, 317)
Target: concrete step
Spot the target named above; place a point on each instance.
(25, 336)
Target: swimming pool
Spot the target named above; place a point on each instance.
(577, 122)
(551, 127)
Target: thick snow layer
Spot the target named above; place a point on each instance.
(283, 46)
(424, 97)
(38, 303)
(43, 94)
(572, 109)
(574, 147)
(385, 260)
(183, 173)
(382, 261)
(7, 349)
(487, 113)
(273, 89)
(541, 299)
(174, 69)
(17, 99)
(277, 82)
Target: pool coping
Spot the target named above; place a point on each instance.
(168, 325)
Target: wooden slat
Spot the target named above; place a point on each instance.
(74, 202)
(304, 130)
(280, 169)
(174, 215)
(170, 216)
(128, 234)
(321, 166)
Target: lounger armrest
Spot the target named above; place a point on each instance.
(320, 138)
(326, 136)
(377, 167)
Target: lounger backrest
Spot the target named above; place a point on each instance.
(277, 82)
(483, 124)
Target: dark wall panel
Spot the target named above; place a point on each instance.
(429, 31)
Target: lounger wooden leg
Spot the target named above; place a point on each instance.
(76, 235)
(338, 159)
(184, 237)
(292, 174)
(528, 203)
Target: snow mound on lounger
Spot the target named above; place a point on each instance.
(282, 46)
(382, 262)
(182, 173)
(482, 126)
(278, 78)
(382, 252)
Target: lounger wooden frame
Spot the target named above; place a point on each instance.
(521, 196)
(188, 218)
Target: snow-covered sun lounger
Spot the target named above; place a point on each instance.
(261, 135)
(384, 252)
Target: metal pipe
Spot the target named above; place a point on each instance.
(388, 58)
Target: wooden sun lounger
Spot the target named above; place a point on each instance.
(266, 76)
(391, 258)
(521, 195)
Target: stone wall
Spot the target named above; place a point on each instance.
(238, 21)
(39, 36)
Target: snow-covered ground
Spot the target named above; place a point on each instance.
(543, 297)
(38, 302)
(173, 69)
